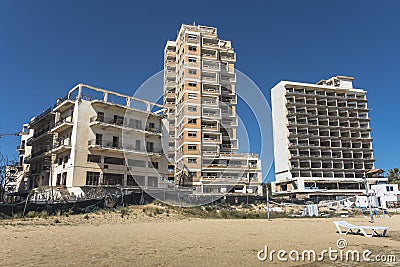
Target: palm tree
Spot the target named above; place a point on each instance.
(393, 174)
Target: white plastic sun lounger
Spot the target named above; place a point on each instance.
(368, 231)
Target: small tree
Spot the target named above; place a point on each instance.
(393, 175)
(6, 175)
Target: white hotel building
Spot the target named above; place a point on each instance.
(96, 137)
(322, 138)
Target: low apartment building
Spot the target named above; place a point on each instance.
(322, 138)
(96, 137)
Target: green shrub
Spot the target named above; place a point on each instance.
(124, 211)
(31, 214)
(43, 214)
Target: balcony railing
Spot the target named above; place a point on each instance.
(120, 146)
(40, 133)
(122, 122)
(64, 142)
(63, 120)
(40, 152)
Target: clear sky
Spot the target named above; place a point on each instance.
(47, 47)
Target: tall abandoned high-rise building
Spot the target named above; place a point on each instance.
(199, 92)
(322, 138)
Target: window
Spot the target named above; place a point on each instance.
(136, 163)
(153, 164)
(113, 160)
(192, 48)
(100, 116)
(66, 159)
(60, 160)
(58, 182)
(192, 108)
(192, 84)
(192, 37)
(64, 179)
(138, 145)
(137, 124)
(135, 180)
(150, 146)
(192, 134)
(118, 120)
(99, 139)
(92, 178)
(94, 158)
(389, 188)
(152, 125)
(192, 121)
(192, 60)
(192, 71)
(113, 178)
(171, 168)
(115, 142)
(192, 147)
(192, 160)
(152, 181)
(192, 96)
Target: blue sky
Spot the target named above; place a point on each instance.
(46, 47)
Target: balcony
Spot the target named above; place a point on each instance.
(170, 95)
(209, 151)
(109, 145)
(211, 65)
(170, 53)
(208, 101)
(38, 135)
(170, 63)
(228, 56)
(211, 89)
(228, 78)
(62, 145)
(209, 77)
(209, 42)
(210, 126)
(211, 113)
(39, 153)
(227, 92)
(210, 54)
(229, 122)
(232, 145)
(63, 124)
(231, 100)
(153, 130)
(212, 138)
(169, 83)
(120, 122)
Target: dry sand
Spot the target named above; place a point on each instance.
(172, 240)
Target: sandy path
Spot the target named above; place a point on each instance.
(186, 242)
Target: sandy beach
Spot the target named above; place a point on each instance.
(174, 240)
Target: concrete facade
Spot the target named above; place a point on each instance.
(199, 91)
(95, 137)
(322, 138)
